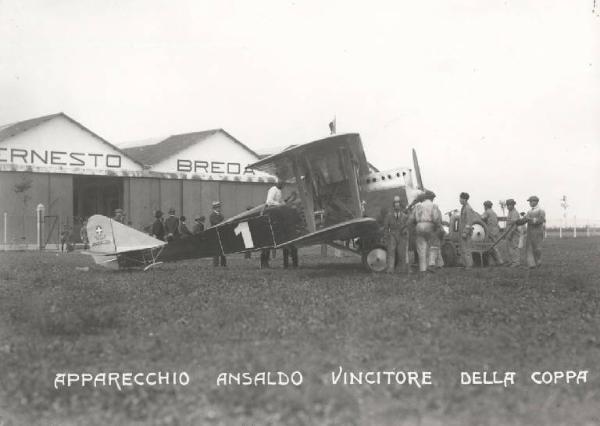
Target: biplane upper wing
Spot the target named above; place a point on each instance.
(107, 236)
(280, 165)
(355, 228)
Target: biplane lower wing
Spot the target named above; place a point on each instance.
(364, 227)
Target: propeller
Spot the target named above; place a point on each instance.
(417, 170)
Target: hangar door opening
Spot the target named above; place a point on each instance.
(97, 195)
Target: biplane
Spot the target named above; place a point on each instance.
(339, 200)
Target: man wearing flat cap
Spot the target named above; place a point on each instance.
(467, 216)
(427, 218)
(512, 238)
(536, 223)
(215, 218)
(490, 218)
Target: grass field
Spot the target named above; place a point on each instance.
(328, 313)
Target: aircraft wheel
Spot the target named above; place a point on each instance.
(376, 259)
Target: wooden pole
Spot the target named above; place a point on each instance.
(40, 225)
(5, 231)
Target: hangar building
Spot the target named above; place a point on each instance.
(55, 161)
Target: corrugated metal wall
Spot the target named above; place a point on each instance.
(188, 197)
(54, 191)
(141, 197)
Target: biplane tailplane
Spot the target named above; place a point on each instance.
(110, 239)
(108, 261)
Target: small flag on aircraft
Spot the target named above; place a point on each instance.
(332, 126)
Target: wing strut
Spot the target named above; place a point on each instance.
(306, 196)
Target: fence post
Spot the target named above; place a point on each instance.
(40, 226)
(574, 232)
(560, 232)
(5, 231)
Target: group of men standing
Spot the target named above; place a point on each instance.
(524, 231)
(173, 227)
(421, 223)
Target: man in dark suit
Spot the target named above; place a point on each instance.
(184, 232)
(198, 227)
(172, 226)
(158, 229)
(215, 218)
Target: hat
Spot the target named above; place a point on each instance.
(533, 198)
(118, 210)
(510, 201)
(464, 195)
(216, 204)
(158, 213)
(487, 203)
(200, 218)
(171, 210)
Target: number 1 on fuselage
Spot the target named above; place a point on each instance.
(244, 229)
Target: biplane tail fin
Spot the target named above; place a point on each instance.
(110, 237)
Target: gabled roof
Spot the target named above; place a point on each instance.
(8, 131)
(155, 153)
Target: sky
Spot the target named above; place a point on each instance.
(500, 99)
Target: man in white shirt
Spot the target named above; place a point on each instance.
(275, 196)
(428, 219)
